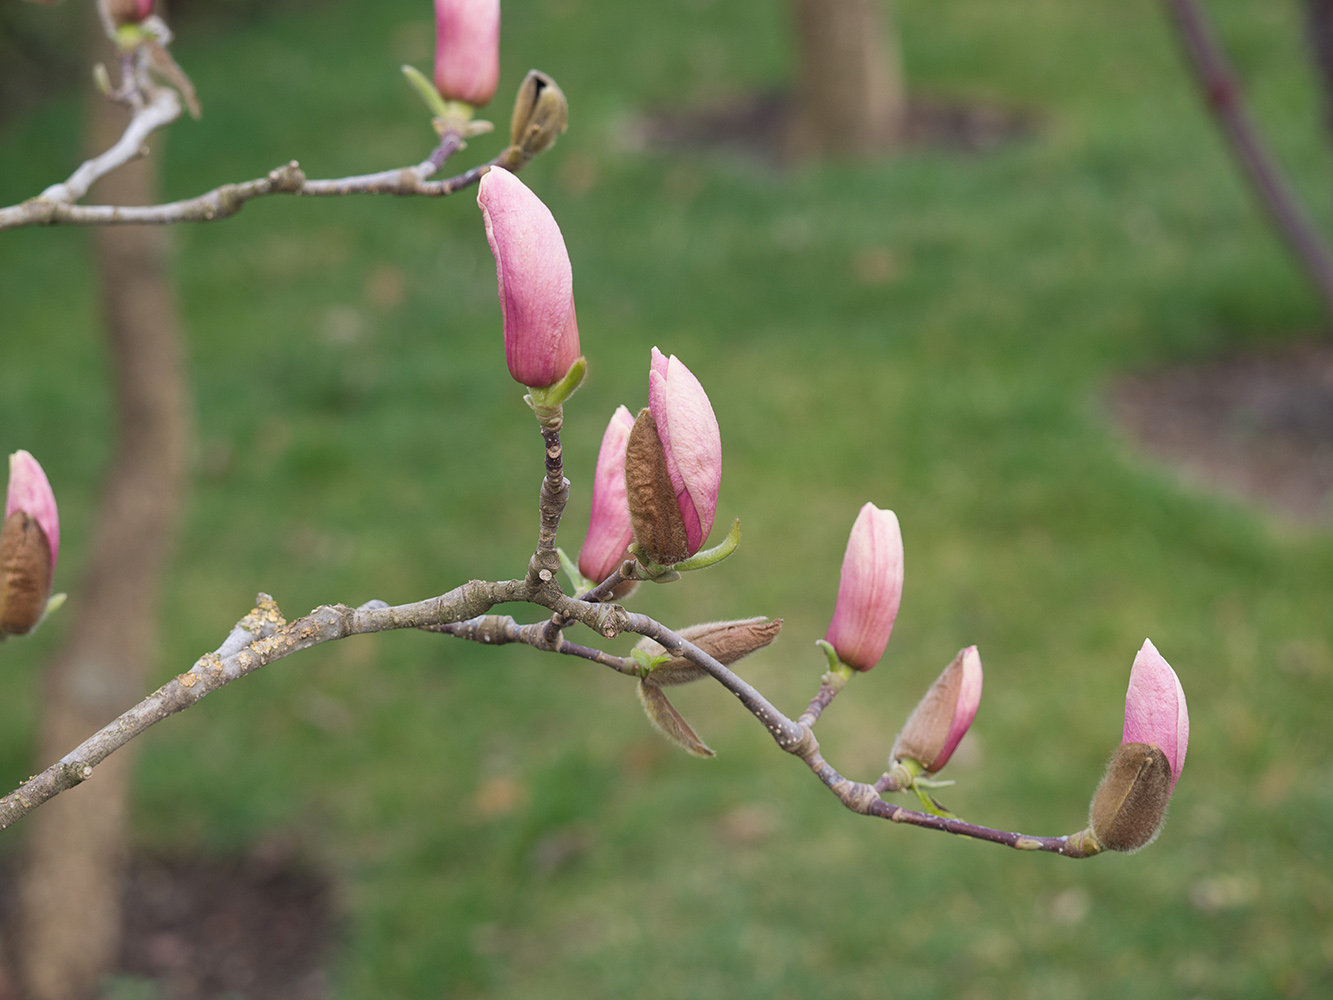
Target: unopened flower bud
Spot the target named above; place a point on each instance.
(869, 590)
(541, 115)
(942, 717)
(609, 529)
(673, 464)
(29, 544)
(1155, 710)
(725, 642)
(1129, 806)
(535, 279)
(128, 11)
(467, 50)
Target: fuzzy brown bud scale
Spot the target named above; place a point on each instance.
(25, 574)
(1129, 806)
(725, 642)
(669, 722)
(659, 527)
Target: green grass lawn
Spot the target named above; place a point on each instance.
(502, 824)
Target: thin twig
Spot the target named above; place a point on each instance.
(545, 563)
(865, 799)
(163, 109)
(828, 690)
(498, 630)
(55, 205)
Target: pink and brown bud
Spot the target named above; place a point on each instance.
(535, 279)
(870, 589)
(467, 50)
(29, 544)
(942, 717)
(1129, 806)
(673, 464)
(124, 12)
(609, 529)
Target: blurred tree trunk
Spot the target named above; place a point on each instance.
(70, 886)
(1319, 27)
(1221, 90)
(849, 99)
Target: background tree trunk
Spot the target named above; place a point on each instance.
(849, 98)
(1319, 28)
(1206, 58)
(70, 887)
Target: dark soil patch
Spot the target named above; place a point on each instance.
(258, 927)
(757, 126)
(1258, 426)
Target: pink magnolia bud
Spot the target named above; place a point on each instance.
(128, 11)
(673, 464)
(870, 590)
(691, 442)
(609, 529)
(30, 492)
(29, 543)
(467, 49)
(942, 717)
(535, 278)
(1129, 806)
(1155, 711)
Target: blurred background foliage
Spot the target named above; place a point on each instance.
(933, 333)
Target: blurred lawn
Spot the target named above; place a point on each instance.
(506, 825)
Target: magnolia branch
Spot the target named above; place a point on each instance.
(263, 637)
(228, 199)
(795, 737)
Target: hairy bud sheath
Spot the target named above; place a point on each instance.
(870, 589)
(609, 529)
(536, 282)
(673, 464)
(29, 545)
(725, 642)
(940, 720)
(467, 50)
(541, 115)
(1129, 806)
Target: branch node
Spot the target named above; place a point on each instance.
(806, 747)
(74, 772)
(266, 612)
(287, 178)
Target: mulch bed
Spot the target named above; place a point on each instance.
(756, 126)
(258, 927)
(1258, 426)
